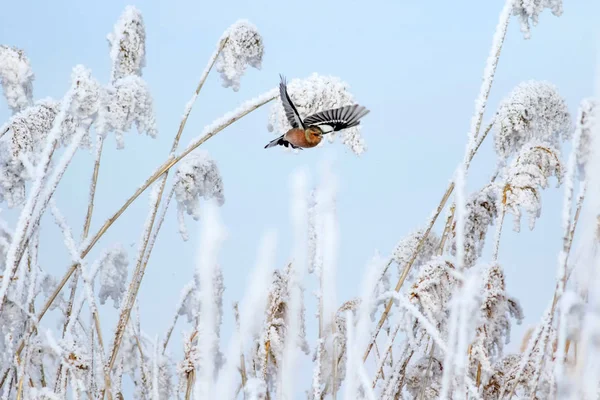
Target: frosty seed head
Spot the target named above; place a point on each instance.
(532, 111)
(128, 45)
(531, 9)
(16, 78)
(243, 47)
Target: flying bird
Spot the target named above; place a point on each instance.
(309, 132)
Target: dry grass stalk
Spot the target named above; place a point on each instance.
(141, 265)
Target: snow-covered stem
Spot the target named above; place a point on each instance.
(161, 219)
(192, 101)
(422, 241)
(86, 229)
(88, 286)
(185, 293)
(480, 105)
(136, 279)
(94, 181)
(498, 233)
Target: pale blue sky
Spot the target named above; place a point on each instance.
(416, 65)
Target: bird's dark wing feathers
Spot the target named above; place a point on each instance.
(288, 105)
(337, 119)
(280, 141)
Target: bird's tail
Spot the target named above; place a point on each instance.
(280, 141)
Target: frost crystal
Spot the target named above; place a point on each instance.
(126, 102)
(532, 111)
(113, 275)
(244, 47)
(16, 77)
(128, 44)
(481, 211)
(197, 176)
(531, 9)
(313, 94)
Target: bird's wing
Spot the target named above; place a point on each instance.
(337, 119)
(290, 109)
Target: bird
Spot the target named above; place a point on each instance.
(309, 132)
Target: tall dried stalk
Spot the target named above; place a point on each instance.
(86, 230)
(142, 261)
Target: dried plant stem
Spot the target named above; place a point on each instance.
(86, 230)
(388, 351)
(426, 376)
(447, 228)
(499, 224)
(191, 377)
(142, 261)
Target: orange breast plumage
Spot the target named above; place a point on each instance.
(297, 137)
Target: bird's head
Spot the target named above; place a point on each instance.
(314, 133)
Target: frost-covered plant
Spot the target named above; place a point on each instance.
(525, 178)
(16, 77)
(481, 212)
(125, 102)
(271, 342)
(445, 328)
(432, 290)
(531, 9)
(113, 275)
(493, 330)
(408, 245)
(313, 94)
(532, 111)
(244, 47)
(128, 45)
(197, 176)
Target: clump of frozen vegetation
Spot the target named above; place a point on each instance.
(433, 317)
(243, 46)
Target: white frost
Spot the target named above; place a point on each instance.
(16, 78)
(197, 176)
(128, 44)
(244, 47)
